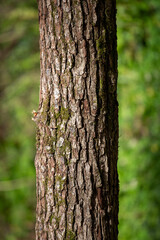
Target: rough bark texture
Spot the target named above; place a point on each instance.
(77, 121)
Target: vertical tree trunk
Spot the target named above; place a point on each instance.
(77, 122)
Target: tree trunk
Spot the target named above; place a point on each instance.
(77, 121)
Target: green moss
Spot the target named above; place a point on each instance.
(70, 235)
(51, 218)
(46, 139)
(53, 6)
(57, 220)
(51, 143)
(65, 114)
(66, 145)
(101, 47)
(42, 221)
(59, 200)
(101, 84)
(46, 103)
(45, 115)
(56, 115)
(61, 181)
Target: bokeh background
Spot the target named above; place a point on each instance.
(139, 116)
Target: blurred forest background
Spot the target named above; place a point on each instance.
(139, 116)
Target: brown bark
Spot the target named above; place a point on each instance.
(77, 121)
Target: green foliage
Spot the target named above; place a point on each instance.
(139, 100)
(19, 72)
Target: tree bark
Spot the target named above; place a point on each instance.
(77, 121)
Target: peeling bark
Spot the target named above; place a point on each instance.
(77, 121)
